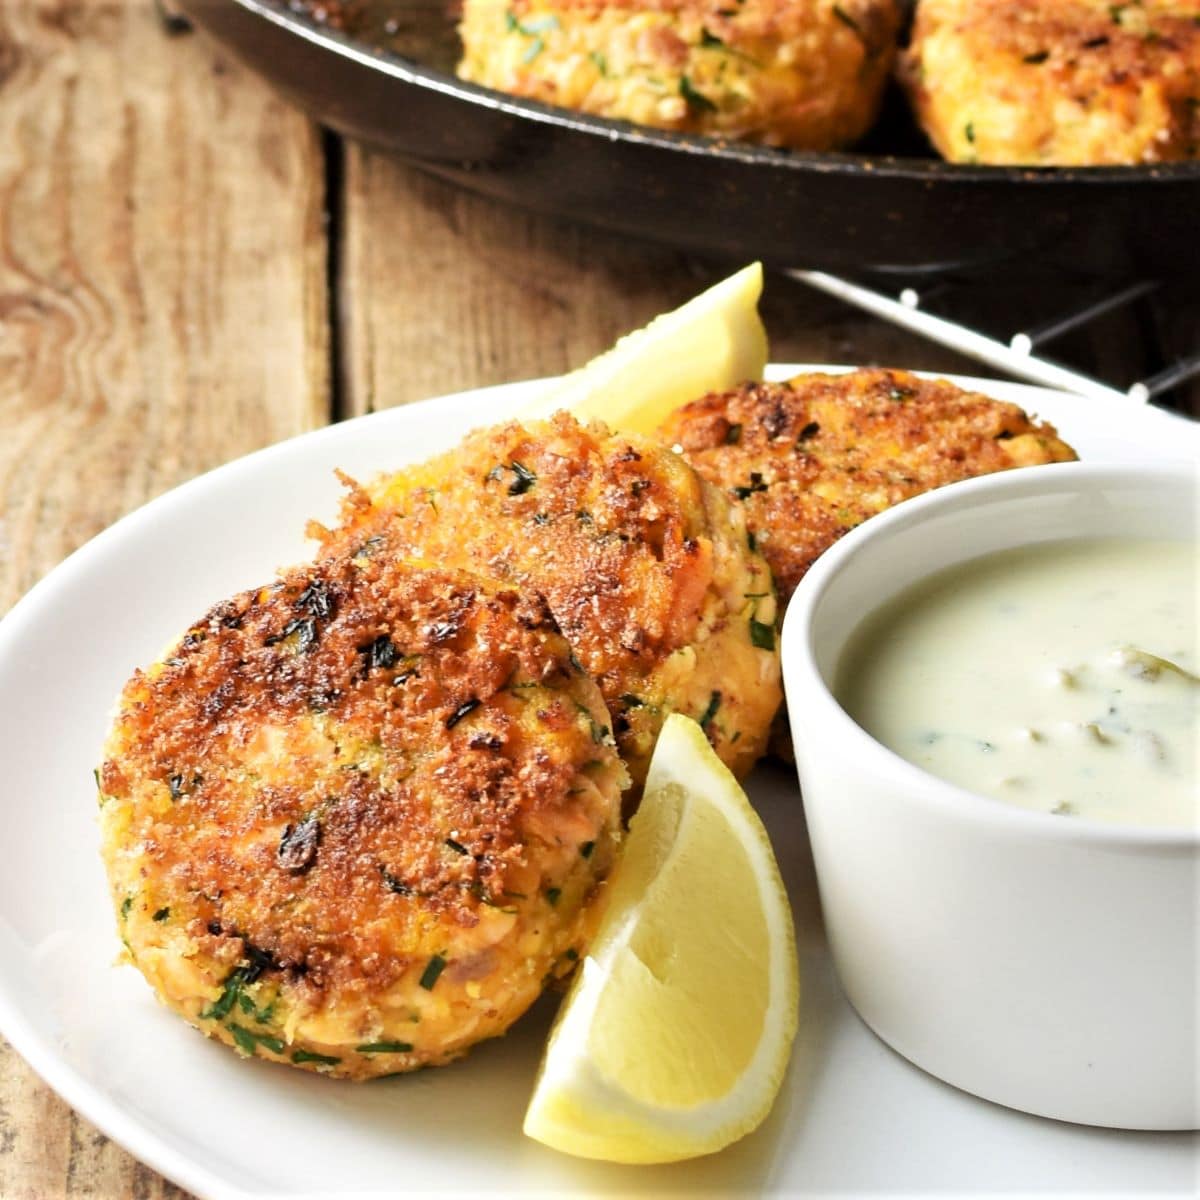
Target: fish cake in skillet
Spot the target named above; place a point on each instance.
(647, 569)
(354, 820)
(811, 458)
(1064, 82)
(808, 74)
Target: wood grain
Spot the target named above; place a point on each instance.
(162, 270)
(441, 290)
(162, 309)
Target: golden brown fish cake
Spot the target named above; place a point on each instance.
(354, 820)
(807, 74)
(813, 457)
(646, 568)
(1066, 82)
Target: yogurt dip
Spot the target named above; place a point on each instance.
(1061, 677)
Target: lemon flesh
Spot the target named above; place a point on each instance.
(713, 342)
(676, 1033)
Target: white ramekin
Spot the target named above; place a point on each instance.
(1047, 963)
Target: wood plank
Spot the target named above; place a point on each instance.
(162, 310)
(162, 270)
(441, 290)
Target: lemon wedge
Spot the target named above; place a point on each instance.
(675, 1035)
(713, 342)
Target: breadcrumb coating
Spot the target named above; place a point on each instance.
(355, 819)
(646, 568)
(807, 74)
(811, 458)
(1063, 82)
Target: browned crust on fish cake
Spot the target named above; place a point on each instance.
(339, 775)
(1057, 81)
(645, 567)
(803, 73)
(811, 458)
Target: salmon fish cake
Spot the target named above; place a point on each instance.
(811, 458)
(647, 569)
(354, 820)
(808, 74)
(1064, 82)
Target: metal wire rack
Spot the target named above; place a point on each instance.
(1161, 336)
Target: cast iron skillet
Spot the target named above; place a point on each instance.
(875, 211)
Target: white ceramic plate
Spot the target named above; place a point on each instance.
(852, 1117)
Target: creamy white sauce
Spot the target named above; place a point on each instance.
(1061, 677)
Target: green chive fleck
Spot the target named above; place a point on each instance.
(307, 1056)
(525, 478)
(435, 966)
(162, 914)
(762, 635)
(387, 1047)
(553, 894)
(714, 703)
(696, 101)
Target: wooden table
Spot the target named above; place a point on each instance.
(190, 269)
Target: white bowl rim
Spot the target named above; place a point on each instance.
(946, 798)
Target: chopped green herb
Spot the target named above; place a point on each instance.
(714, 703)
(632, 701)
(969, 132)
(223, 1004)
(244, 1039)
(710, 39)
(572, 953)
(1036, 59)
(305, 632)
(531, 52)
(585, 851)
(247, 1040)
(175, 786)
(435, 966)
(733, 434)
(126, 905)
(457, 847)
(298, 845)
(385, 1047)
(162, 914)
(762, 635)
(601, 63)
(378, 653)
(553, 894)
(751, 541)
(464, 709)
(307, 1056)
(525, 478)
(393, 884)
(601, 734)
(696, 101)
(900, 394)
(846, 19)
(96, 777)
(755, 485)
